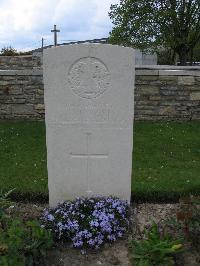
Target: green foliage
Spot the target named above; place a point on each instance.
(149, 25)
(22, 244)
(41, 240)
(25, 53)
(196, 53)
(157, 248)
(132, 25)
(8, 51)
(166, 57)
(5, 202)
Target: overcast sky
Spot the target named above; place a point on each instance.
(24, 22)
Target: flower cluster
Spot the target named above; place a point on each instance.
(88, 222)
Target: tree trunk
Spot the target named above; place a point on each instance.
(191, 57)
(173, 57)
(183, 54)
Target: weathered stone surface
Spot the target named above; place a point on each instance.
(147, 104)
(19, 93)
(40, 92)
(146, 77)
(169, 110)
(4, 82)
(9, 78)
(155, 98)
(15, 90)
(169, 72)
(174, 79)
(186, 80)
(37, 80)
(182, 97)
(39, 107)
(194, 88)
(21, 72)
(89, 91)
(19, 62)
(22, 109)
(148, 89)
(195, 96)
(173, 87)
(167, 92)
(146, 72)
(30, 89)
(6, 99)
(5, 109)
(146, 112)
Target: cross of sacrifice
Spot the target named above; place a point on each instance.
(55, 35)
(88, 156)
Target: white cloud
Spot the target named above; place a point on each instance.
(24, 22)
(20, 15)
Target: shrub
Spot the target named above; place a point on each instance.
(157, 247)
(9, 51)
(23, 244)
(5, 202)
(88, 222)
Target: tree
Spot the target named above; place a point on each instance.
(196, 53)
(148, 25)
(9, 51)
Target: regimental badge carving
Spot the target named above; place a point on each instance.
(89, 77)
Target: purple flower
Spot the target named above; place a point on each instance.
(99, 204)
(119, 234)
(109, 200)
(59, 224)
(111, 215)
(78, 243)
(91, 242)
(94, 223)
(50, 217)
(88, 222)
(111, 237)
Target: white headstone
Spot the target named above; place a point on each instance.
(89, 97)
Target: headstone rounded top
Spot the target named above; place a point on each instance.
(89, 77)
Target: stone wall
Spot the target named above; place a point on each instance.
(21, 94)
(19, 62)
(161, 93)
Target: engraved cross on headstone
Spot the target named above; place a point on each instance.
(88, 156)
(55, 35)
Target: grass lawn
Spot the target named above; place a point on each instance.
(166, 159)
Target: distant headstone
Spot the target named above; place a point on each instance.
(145, 59)
(89, 97)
